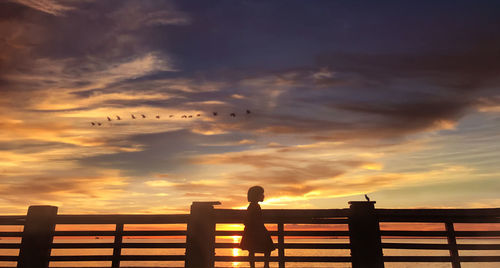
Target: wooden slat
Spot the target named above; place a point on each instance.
(84, 233)
(411, 219)
(317, 259)
(280, 215)
(478, 246)
(8, 258)
(316, 233)
(153, 257)
(125, 233)
(479, 212)
(287, 259)
(229, 233)
(480, 259)
(238, 220)
(123, 258)
(477, 233)
(10, 245)
(417, 258)
(289, 221)
(227, 245)
(414, 233)
(125, 219)
(295, 245)
(317, 246)
(155, 233)
(82, 245)
(12, 220)
(124, 245)
(154, 245)
(315, 221)
(415, 246)
(11, 234)
(290, 233)
(82, 258)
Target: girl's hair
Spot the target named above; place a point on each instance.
(254, 193)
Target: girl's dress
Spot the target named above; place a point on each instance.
(255, 238)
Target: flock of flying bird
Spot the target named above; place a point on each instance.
(118, 118)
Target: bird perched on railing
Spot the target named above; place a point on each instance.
(367, 198)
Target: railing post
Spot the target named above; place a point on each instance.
(38, 233)
(364, 235)
(200, 240)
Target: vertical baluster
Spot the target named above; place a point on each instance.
(281, 244)
(117, 248)
(452, 243)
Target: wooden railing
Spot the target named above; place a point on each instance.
(443, 223)
(117, 244)
(361, 236)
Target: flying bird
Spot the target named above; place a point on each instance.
(190, 116)
(367, 198)
(118, 118)
(133, 117)
(198, 115)
(109, 119)
(157, 117)
(232, 115)
(171, 115)
(92, 123)
(143, 116)
(214, 113)
(99, 124)
(248, 112)
(184, 116)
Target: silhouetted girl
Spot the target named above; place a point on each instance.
(256, 238)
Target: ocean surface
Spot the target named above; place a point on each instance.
(238, 252)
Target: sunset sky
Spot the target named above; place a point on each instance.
(399, 100)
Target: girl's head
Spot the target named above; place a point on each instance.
(255, 194)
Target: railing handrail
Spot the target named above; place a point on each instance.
(122, 218)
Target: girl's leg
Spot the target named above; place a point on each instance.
(251, 256)
(266, 257)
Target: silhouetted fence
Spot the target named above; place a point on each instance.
(361, 235)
